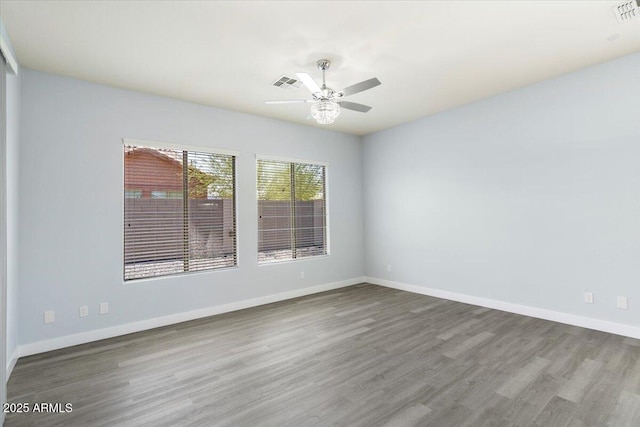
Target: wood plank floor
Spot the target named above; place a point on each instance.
(358, 356)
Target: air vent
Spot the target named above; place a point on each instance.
(286, 82)
(627, 10)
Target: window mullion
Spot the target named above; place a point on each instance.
(234, 201)
(294, 243)
(185, 210)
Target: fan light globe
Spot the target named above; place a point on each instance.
(325, 111)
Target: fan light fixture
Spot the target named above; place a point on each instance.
(326, 103)
(325, 111)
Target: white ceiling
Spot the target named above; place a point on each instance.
(430, 56)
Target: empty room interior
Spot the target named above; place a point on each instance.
(320, 213)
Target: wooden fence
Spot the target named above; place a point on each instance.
(211, 230)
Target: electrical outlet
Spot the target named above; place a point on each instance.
(389, 268)
(302, 274)
(84, 310)
(623, 303)
(588, 297)
(104, 307)
(49, 316)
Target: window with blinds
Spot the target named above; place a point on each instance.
(292, 214)
(179, 211)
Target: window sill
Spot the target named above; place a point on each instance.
(291, 261)
(179, 275)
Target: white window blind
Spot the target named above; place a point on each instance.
(179, 211)
(292, 219)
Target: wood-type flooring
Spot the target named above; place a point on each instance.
(364, 355)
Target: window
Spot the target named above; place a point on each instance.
(179, 211)
(132, 194)
(292, 219)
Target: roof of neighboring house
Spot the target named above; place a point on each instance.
(158, 153)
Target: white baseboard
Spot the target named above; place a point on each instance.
(143, 325)
(12, 362)
(540, 313)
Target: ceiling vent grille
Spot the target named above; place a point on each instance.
(627, 10)
(286, 82)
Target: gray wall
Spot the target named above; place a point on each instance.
(531, 197)
(71, 204)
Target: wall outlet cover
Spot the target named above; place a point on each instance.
(49, 316)
(623, 303)
(104, 307)
(588, 297)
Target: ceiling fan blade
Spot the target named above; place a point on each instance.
(308, 81)
(360, 87)
(354, 106)
(289, 101)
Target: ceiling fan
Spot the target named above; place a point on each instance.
(326, 102)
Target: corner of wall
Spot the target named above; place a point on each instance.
(14, 93)
(363, 246)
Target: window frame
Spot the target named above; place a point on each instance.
(144, 143)
(325, 164)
